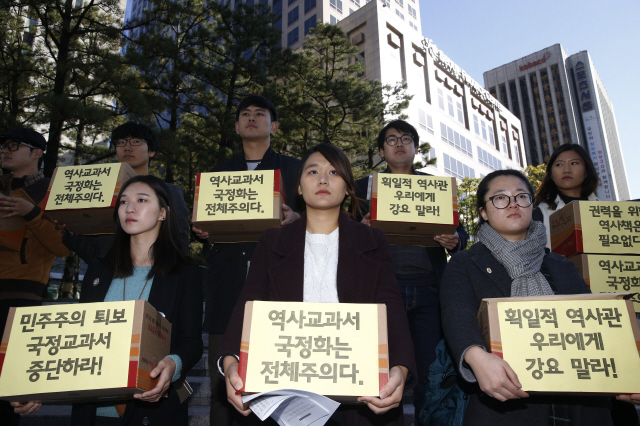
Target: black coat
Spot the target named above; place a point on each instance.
(179, 297)
(437, 255)
(227, 263)
(473, 275)
(365, 275)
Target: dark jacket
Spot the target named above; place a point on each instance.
(91, 248)
(473, 275)
(227, 263)
(437, 255)
(365, 275)
(179, 297)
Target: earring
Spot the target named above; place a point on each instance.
(162, 218)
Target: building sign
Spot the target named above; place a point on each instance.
(595, 144)
(458, 73)
(542, 60)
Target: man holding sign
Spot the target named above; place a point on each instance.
(418, 269)
(24, 273)
(228, 264)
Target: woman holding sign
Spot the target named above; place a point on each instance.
(509, 260)
(146, 263)
(570, 176)
(327, 257)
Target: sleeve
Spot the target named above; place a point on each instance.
(47, 235)
(187, 327)
(459, 309)
(255, 288)
(181, 214)
(401, 350)
(89, 248)
(464, 239)
(178, 373)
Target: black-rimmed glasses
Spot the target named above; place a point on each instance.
(502, 201)
(393, 140)
(14, 145)
(131, 141)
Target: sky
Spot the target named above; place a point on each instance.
(479, 35)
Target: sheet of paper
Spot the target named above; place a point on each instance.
(291, 407)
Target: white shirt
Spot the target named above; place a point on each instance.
(321, 267)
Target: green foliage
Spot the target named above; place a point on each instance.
(467, 211)
(535, 174)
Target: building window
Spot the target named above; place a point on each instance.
(309, 23)
(492, 141)
(457, 169)
(278, 24)
(422, 119)
(400, 14)
(488, 160)
(476, 125)
(440, 99)
(336, 4)
(400, 2)
(277, 9)
(309, 5)
(484, 130)
(450, 104)
(293, 16)
(412, 11)
(333, 20)
(292, 37)
(291, 2)
(429, 124)
(456, 140)
(516, 154)
(412, 25)
(356, 2)
(460, 112)
(505, 148)
(350, 11)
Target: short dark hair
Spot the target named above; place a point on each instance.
(135, 130)
(483, 187)
(548, 190)
(341, 163)
(259, 101)
(166, 254)
(403, 127)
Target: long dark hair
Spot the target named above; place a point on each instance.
(165, 252)
(548, 191)
(341, 163)
(483, 187)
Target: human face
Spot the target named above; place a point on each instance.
(24, 159)
(321, 186)
(254, 123)
(139, 210)
(399, 155)
(511, 222)
(568, 173)
(136, 156)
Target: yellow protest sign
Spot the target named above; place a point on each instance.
(570, 345)
(82, 187)
(327, 348)
(236, 195)
(68, 347)
(612, 227)
(414, 198)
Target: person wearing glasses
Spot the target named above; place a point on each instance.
(510, 260)
(24, 273)
(134, 144)
(418, 269)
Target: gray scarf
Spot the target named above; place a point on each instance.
(521, 259)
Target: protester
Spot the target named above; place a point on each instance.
(25, 273)
(299, 262)
(145, 263)
(509, 260)
(227, 264)
(418, 269)
(134, 144)
(570, 176)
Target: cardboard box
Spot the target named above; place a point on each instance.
(339, 350)
(566, 343)
(79, 352)
(412, 209)
(238, 206)
(606, 273)
(12, 230)
(605, 227)
(83, 197)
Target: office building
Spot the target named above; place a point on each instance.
(561, 99)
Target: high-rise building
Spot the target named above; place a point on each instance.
(561, 99)
(470, 133)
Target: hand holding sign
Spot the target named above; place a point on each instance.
(495, 377)
(289, 215)
(449, 242)
(234, 385)
(633, 398)
(15, 206)
(164, 371)
(391, 393)
(23, 408)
